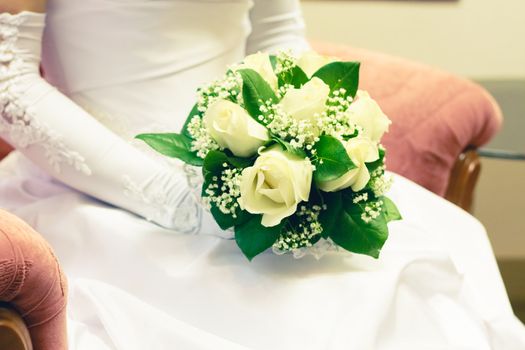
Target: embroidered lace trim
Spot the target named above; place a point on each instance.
(17, 119)
(185, 217)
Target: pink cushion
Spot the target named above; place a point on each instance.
(32, 282)
(435, 115)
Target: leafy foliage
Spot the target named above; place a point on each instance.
(172, 145)
(294, 76)
(328, 218)
(286, 146)
(340, 75)
(331, 161)
(254, 238)
(390, 210)
(354, 234)
(255, 92)
(212, 168)
(194, 112)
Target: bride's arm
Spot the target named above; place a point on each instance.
(277, 25)
(72, 146)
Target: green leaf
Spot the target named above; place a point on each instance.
(215, 159)
(273, 61)
(194, 112)
(340, 75)
(226, 221)
(255, 91)
(213, 166)
(240, 162)
(332, 160)
(172, 145)
(374, 165)
(254, 238)
(390, 210)
(213, 162)
(294, 76)
(355, 235)
(328, 217)
(286, 146)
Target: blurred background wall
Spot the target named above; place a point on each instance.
(483, 40)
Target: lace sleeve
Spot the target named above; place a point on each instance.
(17, 121)
(71, 145)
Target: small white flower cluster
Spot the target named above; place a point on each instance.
(267, 111)
(227, 88)
(225, 192)
(358, 198)
(285, 61)
(334, 121)
(381, 184)
(302, 235)
(372, 211)
(202, 141)
(283, 90)
(299, 133)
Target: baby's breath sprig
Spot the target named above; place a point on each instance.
(224, 191)
(202, 141)
(372, 211)
(303, 233)
(299, 133)
(227, 88)
(283, 90)
(334, 121)
(285, 61)
(381, 184)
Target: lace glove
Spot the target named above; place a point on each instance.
(68, 143)
(277, 25)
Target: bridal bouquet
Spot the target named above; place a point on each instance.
(291, 156)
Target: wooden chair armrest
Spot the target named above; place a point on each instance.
(14, 334)
(4, 149)
(463, 179)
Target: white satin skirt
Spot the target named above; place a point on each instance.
(134, 285)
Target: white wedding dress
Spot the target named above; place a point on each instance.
(132, 66)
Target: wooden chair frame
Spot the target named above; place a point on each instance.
(14, 334)
(463, 179)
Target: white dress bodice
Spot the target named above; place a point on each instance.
(136, 65)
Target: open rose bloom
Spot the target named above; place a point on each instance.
(290, 154)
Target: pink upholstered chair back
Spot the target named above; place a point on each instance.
(435, 115)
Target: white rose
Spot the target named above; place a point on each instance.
(232, 127)
(275, 184)
(311, 61)
(366, 113)
(260, 62)
(306, 102)
(361, 150)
